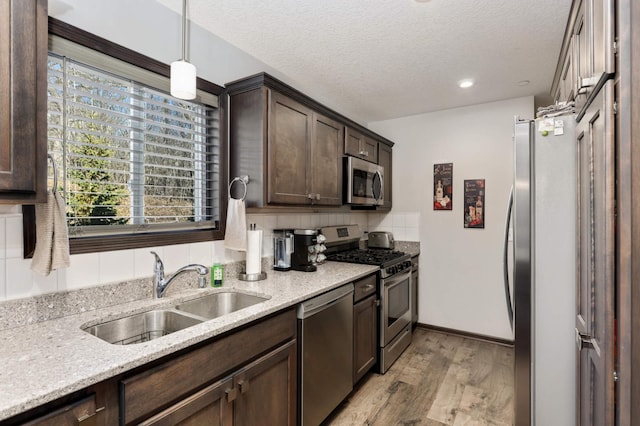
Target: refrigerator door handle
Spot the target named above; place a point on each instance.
(505, 265)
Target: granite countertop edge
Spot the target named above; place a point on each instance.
(47, 360)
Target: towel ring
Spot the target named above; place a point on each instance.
(55, 172)
(244, 180)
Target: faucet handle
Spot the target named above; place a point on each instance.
(159, 266)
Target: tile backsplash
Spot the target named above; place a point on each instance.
(88, 270)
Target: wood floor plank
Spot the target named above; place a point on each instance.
(440, 379)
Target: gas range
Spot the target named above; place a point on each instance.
(390, 261)
(343, 246)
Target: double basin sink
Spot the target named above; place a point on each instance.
(156, 323)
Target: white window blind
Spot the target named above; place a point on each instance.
(130, 158)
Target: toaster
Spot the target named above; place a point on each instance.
(381, 239)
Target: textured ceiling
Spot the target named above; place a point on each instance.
(379, 59)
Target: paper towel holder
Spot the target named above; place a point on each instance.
(252, 277)
(243, 276)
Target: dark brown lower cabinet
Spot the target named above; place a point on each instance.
(247, 377)
(256, 394)
(365, 327)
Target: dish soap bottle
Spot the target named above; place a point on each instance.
(217, 274)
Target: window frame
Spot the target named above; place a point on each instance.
(95, 244)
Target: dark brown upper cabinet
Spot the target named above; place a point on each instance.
(23, 104)
(358, 145)
(384, 159)
(587, 57)
(289, 145)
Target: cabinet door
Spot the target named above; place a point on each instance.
(567, 78)
(290, 127)
(384, 159)
(213, 406)
(601, 14)
(594, 34)
(326, 161)
(596, 257)
(365, 331)
(23, 104)
(358, 145)
(267, 389)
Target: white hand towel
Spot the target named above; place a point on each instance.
(235, 237)
(52, 240)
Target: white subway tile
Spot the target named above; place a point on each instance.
(413, 220)
(3, 239)
(399, 220)
(117, 266)
(84, 272)
(143, 261)
(412, 234)
(175, 257)
(306, 221)
(270, 223)
(13, 238)
(399, 233)
(3, 280)
(22, 282)
(201, 253)
(386, 220)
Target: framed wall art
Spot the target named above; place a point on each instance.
(443, 186)
(474, 208)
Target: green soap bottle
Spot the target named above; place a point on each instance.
(217, 274)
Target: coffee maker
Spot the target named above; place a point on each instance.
(303, 239)
(282, 249)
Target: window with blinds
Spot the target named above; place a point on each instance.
(130, 158)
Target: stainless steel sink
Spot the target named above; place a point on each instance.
(218, 304)
(142, 327)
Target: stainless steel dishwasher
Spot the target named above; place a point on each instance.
(325, 358)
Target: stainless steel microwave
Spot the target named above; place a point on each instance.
(364, 182)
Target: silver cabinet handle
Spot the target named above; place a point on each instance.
(231, 394)
(244, 386)
(584, 341)
(364, 153)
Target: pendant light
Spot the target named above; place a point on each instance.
(183, 73)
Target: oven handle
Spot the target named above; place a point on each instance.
(397, 279)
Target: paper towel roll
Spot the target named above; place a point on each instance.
(254, 252)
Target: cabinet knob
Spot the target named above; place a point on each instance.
(231, 394)
(364, 153)
(244, 386)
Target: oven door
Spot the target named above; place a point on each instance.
(364, 182)
(395, 301)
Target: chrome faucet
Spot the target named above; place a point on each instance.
(160, 284)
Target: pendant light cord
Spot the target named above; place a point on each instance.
(184, 29)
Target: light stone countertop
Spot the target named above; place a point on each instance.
(43, 361)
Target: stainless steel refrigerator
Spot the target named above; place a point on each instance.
(541, 291)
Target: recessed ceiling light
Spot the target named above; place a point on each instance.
(466, 83)
(523, 83)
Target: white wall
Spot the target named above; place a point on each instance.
(461, 279)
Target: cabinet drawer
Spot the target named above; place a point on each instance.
(145, 393)
(364, 287)
(82, 412)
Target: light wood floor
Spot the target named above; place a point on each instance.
(440, 379)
